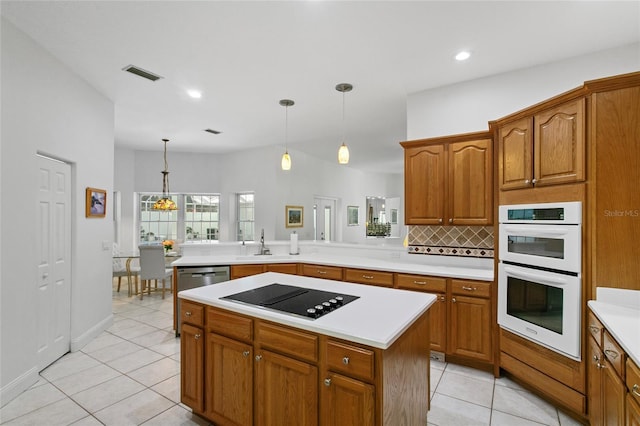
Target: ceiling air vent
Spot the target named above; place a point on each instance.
(141, 73)
(215, 132)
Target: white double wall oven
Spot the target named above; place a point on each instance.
(540, 274)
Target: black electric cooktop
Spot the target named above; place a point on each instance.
(305, 302)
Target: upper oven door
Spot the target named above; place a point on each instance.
(549, 246)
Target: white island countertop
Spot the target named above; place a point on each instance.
(377, 318)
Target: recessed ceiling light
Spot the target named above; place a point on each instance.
(195, 94)
(462, 56)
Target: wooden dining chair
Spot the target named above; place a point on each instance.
(120, 269)
(153, 267)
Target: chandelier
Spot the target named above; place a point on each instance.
(165, 203)
(343, 152)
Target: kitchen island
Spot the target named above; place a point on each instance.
(366, 363)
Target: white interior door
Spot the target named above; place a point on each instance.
(53, 261)
(325, 218)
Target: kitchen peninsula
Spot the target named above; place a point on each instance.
(366, 363)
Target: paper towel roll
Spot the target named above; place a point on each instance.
(293, 245)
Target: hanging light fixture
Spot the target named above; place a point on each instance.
(286, 158)
(165, 203)
(343, 152)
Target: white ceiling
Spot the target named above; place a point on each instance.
(246, 56)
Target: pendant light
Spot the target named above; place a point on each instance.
(343, 152)
(165, 203)
(286, 158)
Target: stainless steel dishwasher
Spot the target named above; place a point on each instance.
(198, 276)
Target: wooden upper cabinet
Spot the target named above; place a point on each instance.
(559, 144)
(545, 149)
(425, 181)
(470, 183)
(515, 162)
(449, 180)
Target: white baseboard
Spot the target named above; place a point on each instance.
(88, 336)
(18, 385)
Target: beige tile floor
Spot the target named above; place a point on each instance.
(130, 375)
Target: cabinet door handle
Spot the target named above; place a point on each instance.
(187, 314)
(453, 300)
(464, 287)
(197, 336)
(345, 360)
(367, 277)
(258, 357)
(245, 353)
(450, 220)
(442, 298)
(327, 382)
(635, 390)
(526, 181)
(440, 220)
(594, 329)
(596, 358)
(534, 180)
(611, 353)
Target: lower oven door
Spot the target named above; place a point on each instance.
(541, 306)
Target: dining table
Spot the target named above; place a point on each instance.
(170, 256)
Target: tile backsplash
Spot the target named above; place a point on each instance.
(469, 241)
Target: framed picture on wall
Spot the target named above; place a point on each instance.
(294, 216)
(352, 215)
(96, 202)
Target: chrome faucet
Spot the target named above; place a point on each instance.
(263, 250)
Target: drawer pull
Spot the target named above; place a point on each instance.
(594, 329)
(420, 282)
(187, 314)
(464, 287)
(596, 358)
(367, 277)
(611, 353)
(345, 360)
(327, 382)
(258, 357)
(321, 272)
(635, 390)
(197, 336)
(442, 298)
(245, 353)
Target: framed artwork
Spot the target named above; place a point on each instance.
(96, 202)
(352, 215)
(294, 216)
(394, 216)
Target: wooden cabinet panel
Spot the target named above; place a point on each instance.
(192, 367)
(191, 313)
(351, 360)
(471, 288)
(470, 336)
(425, 182)
(470, 189)
(422, 283)
(287, 340)
(286, 391)
(595, 327)
(633, 412)
(365, 276)
(321, 271)
(614, 353)
(239, 271)
(633, 380)
(559, 144)
(349, 402)
(613, 396)
(229, 396)
(283, 268)
(230, 324)
(515, 160)
(594, 388)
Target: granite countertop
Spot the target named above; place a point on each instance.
(619, 312)
(376, 319)
(391, 265)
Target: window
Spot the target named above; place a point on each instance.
(155, 225)
(245, 209)
(201, 216)
(197, 218)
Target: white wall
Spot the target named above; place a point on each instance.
(256, 170)
(48, 109)
(469, 106)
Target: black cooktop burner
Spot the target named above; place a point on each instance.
(306, 302)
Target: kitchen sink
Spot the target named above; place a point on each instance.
(263, 257)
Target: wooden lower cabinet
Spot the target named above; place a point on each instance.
(461, 322)
(237, 370)
(349, 402)
(633, 411)
(286, 391)
(321, 271)
(239, 271)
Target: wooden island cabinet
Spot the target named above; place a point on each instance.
(244, 369)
